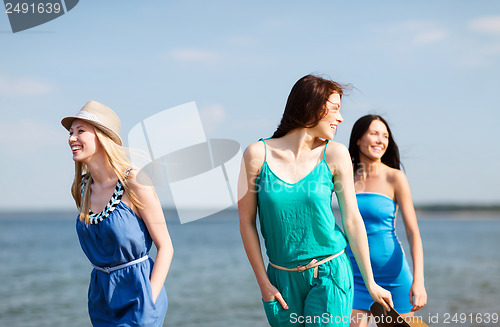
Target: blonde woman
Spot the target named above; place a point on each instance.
(118, 221)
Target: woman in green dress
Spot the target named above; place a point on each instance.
(289, 180)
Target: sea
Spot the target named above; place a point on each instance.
(44, 275)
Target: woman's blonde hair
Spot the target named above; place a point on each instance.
(120, 163)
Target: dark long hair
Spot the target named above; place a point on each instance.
(391, 155)
(306, 104)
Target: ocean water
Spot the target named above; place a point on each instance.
(45, 275)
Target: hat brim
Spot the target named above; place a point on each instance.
(67, 121)
(393, 318)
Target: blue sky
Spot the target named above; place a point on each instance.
(429, 67)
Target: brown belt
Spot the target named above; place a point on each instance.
(313, 264)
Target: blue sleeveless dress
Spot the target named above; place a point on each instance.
(123, 297)
(389, 264)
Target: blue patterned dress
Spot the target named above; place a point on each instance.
(123, 297)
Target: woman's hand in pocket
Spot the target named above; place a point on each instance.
(270, 293)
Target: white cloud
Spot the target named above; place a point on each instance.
(211, 117)
(409, 34)
(479, 56)
(431, 36)
(257, 123)
(194, 55)
(27, 137)
(414, 25)
(275, 23)
(24, 86)
(35, 154)
(244, 41)
(487, 24)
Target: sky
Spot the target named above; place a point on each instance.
(431, 68)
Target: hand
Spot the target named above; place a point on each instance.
(155, 292)
(381, 296)
(271, 293)
(418, 296)
(155, 296)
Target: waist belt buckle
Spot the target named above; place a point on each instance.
(301, 268)
(308, 266)
(311, 264)
(107, 270)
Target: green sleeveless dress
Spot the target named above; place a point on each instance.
(297, 223)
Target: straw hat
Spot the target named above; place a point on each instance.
(100, 116)
(393, 318)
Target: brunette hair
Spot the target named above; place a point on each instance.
(306, 104)
(391, 155)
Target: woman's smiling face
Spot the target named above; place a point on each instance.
(83, 141)
(374, 142)
(327, 126)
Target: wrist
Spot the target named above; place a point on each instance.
(370, 285)
(418, 280)
(264, 284)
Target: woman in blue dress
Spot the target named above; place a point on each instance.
(119, 220)
(381, 188)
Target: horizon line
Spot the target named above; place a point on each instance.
(444, 206)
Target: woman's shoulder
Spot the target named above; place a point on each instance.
(255, 150)
(336, 151)
(395, 176)
(136, 182)
(337, 157)
(254, 156)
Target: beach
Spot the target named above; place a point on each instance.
(45, 274)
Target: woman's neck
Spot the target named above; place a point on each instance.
(299, 141)
(368, 167)
(101, 170)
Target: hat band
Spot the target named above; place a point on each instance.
(89, 116)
